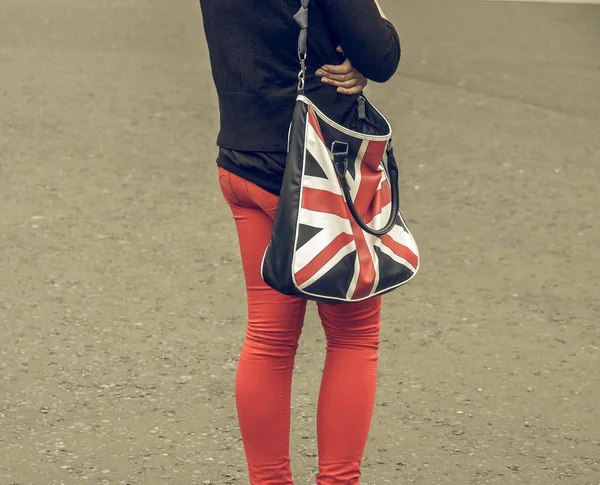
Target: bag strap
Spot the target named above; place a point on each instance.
(301, 18)
(340, 159)
(339, 150)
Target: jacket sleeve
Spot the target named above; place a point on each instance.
(369, 41)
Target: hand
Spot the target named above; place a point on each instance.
(344, 76)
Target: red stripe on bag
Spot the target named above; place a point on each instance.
(368, 203)
(400, 250)
(322, 201)
(314, 122)
(322, 258)
(382, 198)
(374, 155)
(367, 271)
(370, 177)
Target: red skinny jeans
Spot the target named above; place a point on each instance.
(264, 373)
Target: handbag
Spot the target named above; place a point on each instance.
(338, 234)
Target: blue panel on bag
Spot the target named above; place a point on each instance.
(391, 273)
(305, 234)
(336, 281)
(312, 167)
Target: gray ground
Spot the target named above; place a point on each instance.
(120, 293)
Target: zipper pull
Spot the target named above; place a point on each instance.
(362, 108)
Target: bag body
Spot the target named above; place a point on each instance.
(338, 234)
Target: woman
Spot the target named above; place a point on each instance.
(253, 53)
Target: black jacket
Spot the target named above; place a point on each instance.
(253, 54)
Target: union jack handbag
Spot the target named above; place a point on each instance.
(338, 234)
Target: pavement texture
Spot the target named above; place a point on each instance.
(121, 298)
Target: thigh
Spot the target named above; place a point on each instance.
(352, 325)
(269, 311)
(253, 221)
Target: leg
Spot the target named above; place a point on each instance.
(264, 374)
(348, 386)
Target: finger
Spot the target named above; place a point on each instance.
(340, 77)
(360, 81)
(344, 68)
(339, 49)
(352, 73)
(342, 84)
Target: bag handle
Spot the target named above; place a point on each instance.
(301, 18)
(339, 151)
